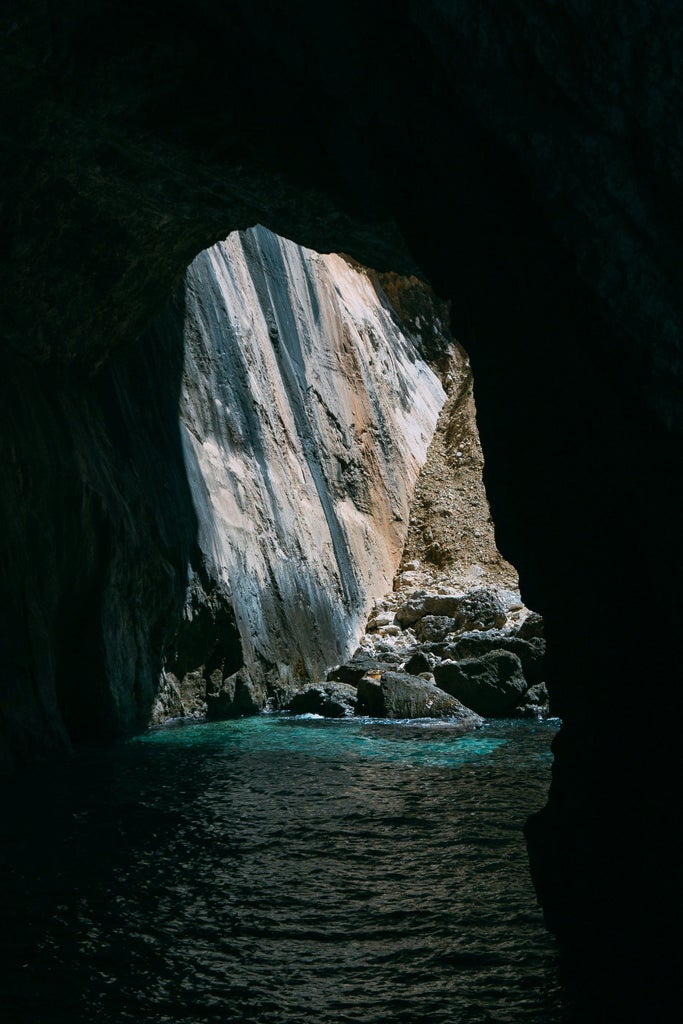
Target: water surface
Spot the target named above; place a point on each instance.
(282, 871)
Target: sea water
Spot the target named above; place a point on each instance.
(284, 871)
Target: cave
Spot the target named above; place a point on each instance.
(526, 161)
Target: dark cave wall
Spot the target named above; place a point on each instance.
(528, 156)
(98, 533)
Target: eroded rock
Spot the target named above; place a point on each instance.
(482, 608)
(399, 695)
(353, 671)
(417, 664)
(433, 628)
(531, 652)
(532, 628)
(306, 412)
(492, 685)
(234, 696)
(331, 700)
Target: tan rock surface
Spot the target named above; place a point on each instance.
(307, 411)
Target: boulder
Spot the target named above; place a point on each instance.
(399, 695)
(432, 628)
(532, 628)
(417, 663)
(492, 685)
(477, 609)
(380, 619)
(412, 610)
(332, 700)
(536, 703)
(530, 652)
(233, 696)
(351, 672)
(537, 695)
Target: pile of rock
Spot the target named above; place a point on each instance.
(463, 656)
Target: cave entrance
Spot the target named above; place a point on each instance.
(330, 434)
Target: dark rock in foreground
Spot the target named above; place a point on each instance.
(492, 685)
(332, 700)
(398, 695)
(536, 694)
(417, 664)
(234, 696)
(353, 671)
(536, 703)
(532, 627)
(531, 652)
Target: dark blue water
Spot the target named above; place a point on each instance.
(283, 871)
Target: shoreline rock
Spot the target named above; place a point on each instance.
(399, 695)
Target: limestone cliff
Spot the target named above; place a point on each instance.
(307, 411)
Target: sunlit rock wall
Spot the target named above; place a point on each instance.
(306, 415)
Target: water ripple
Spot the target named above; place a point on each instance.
(284, 871)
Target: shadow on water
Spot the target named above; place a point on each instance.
(278, 869)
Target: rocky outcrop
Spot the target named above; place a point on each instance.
(331, 700)
(531, 653)
(306, 412)
(475, 609)
(399, 695)
(490, 669)
(235, 491)
(493, 685)
(205, 650)
(235, 695)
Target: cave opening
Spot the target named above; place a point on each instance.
(311, 865)
(330, 440)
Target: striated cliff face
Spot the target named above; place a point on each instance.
(210, 516)
(306, 413)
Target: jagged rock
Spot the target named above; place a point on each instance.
(492, 685)
(412, 610)
(234, 696)
(432, 628)
(532, 628)
(332, 700)
(531, 653)
(377, 621)
(399, 695)
(536, 702)
(537, 694)
(477, 609)
(206, 640)
(180, 698)
(353, 671)
(417, 664)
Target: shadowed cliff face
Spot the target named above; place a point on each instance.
(98, 531)
(530, 156)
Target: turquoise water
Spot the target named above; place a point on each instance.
(281, 870)
(421, 742)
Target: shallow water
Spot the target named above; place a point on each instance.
(280, 870)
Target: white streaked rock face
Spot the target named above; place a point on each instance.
(306, 414)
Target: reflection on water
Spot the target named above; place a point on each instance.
(280, 870)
